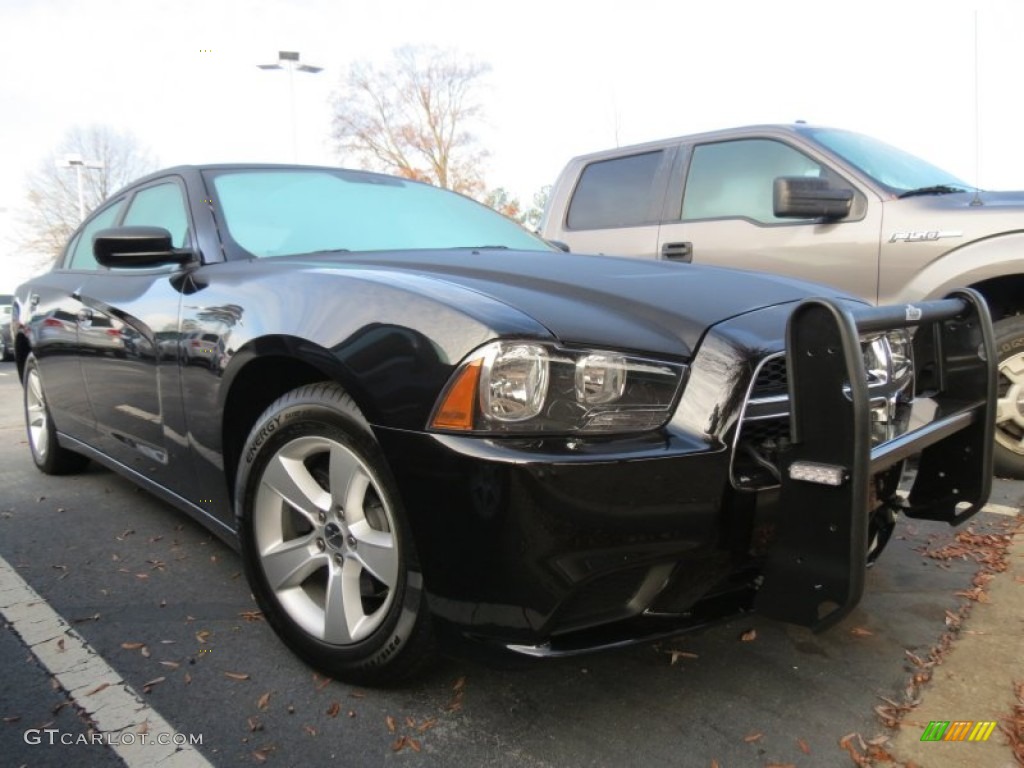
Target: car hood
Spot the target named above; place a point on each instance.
(631, 304)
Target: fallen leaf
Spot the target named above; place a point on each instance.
(252, 615)
(427, 724)
(752, 737)
(254, 724)
(749, 636)
(94, 617)
(132, 646)
(321, 684)
(98, 688)
(390, 722)
(459, 684)
(12, 719)
(358, 695)
(351, 713)
(147, 687)
(309, 729)
(203, 635)
(263, 701)
(188, 679)
(414, 744)
(144, 728)
(171, 664)
(676, 655)
(124, 535)
(262, 754)
(399, 744)
(410, 722)
(861, 632)
(334, 709)
(144, 650)
(60, 645)
(236, 675)
(804, 746)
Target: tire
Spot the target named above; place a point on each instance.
(49, 456)
(1008, 454)
(334, 569)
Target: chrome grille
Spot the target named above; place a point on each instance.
(763, 427)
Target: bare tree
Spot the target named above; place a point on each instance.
(51, 193)
(414, 117)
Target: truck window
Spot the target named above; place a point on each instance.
(615, 193)
(733, 179)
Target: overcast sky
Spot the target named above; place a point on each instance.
(567, 76)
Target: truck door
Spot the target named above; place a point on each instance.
(722, 214)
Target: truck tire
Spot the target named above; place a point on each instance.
(1009, 448)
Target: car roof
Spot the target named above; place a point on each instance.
(191, 169)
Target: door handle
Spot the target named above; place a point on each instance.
(677, 252)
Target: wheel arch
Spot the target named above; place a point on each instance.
(263, 371)
(993, 266)
(1003, 294)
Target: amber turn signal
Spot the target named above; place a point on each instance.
(459, 404)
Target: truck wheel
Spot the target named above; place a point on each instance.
(1009, 448)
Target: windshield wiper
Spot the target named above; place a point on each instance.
(937, 189)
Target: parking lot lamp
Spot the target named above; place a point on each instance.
(289, 60)
(76, 162)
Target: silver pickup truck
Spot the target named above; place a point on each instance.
(821, 204)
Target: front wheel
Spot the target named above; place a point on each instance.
(326, 547)
(1009, 449)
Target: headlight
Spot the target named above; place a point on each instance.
(889, 365)
(525, 387)
(887, 357)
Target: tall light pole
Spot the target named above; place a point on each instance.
(76, 162)
(289, 60)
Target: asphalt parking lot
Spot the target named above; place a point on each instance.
(165, 605)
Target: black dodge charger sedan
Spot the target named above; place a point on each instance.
(410, 414)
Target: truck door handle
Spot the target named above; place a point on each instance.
(677, 252)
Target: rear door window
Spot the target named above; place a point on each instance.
(621, 192)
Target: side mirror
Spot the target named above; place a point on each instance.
(803, 197)
(136, 247)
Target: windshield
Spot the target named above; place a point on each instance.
(893, 168)
(288, 211)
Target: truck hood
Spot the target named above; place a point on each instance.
(630, 304)
(954, 220)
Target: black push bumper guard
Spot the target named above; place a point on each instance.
(814, 574)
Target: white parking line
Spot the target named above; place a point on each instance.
(1002, 509)
(131, 727)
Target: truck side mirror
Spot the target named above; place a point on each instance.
(803, 197)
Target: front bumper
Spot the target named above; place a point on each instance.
(563, 545)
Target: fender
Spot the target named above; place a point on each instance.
(972, 263)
